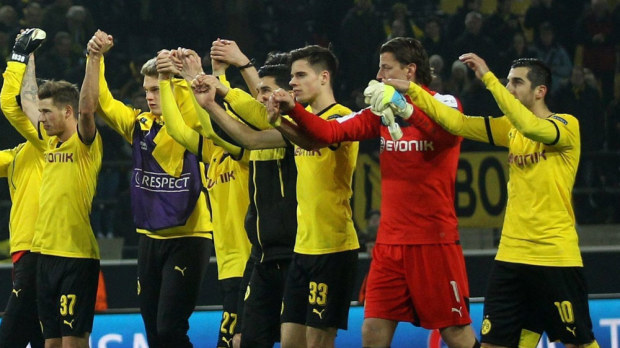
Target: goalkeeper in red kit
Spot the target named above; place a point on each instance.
(417, 273)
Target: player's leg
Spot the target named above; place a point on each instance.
(505, 306)
(245, 280)
(49, 272)
(563, 297)
(184, 267)
(229, 323)
(442, 302)
(328, 295)
(149, 285)
(263, 303)
(387, 297)
(294, 305)
(20, 323)
(78, 293)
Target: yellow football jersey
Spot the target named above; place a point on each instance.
(68, 186)
(227, 187)
(324, 216)
(22, 166)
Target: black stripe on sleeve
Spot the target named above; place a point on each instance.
(199, 151)
(487, 125)
(557, 132)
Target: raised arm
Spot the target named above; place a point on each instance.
(89, 93)
(241, 133)
(228, 51)
(25, 43)
(28, 93)
(177, 129)
(484, 129)
(522, 118)
(116, 114)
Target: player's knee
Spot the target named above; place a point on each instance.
(458, 336)
(374, 335)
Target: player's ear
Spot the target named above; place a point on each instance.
(540, 92)
(411, 69)
(324, 77)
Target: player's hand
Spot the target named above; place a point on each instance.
(475, 63)
(165, 65)
(100, 43)
(191, 64)
(227, 51)
(381, 96)
(204, 87)
(25, 43)
(285, 99)
(387, 118)
(273, 112)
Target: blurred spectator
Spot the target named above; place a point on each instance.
(33, 16)
(519, 49)
(360, 37)
(583, 101)
(80, 26)
(554, 55)
(6, 44)
(596, 35)
(613, 135)
(437, 65)
(10, 20)
(105, 204)
(456, 25)
(502, 25)
(474, 40)
(434, 41)
(459, 79)
(60, 62)
(400, 19)
(54, 16)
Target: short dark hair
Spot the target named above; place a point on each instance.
(538, 74)
(150, 68)
(318, 56)
(408, 50)
(277, 65)
(62, 93)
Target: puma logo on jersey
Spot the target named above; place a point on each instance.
(69, 323)
(573, 330)
(458, 311)
(317, 312)
(16, 292)
(182, 270)
(227, 341)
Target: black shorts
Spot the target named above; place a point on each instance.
(228, 324)
(522, 301)
(67, 290)
(20, 323)
(263, 304)
(319, 288)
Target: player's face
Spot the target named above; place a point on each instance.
(390, 68)
(305, 82)
(520, 86)
(51, 117)
(265, 87)
(151, 88)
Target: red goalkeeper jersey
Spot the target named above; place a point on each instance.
(417, 172)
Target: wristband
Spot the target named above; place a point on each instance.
(250, 64)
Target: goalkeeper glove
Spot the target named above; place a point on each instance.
(387, 118)
(26, 43)
(380, 96)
